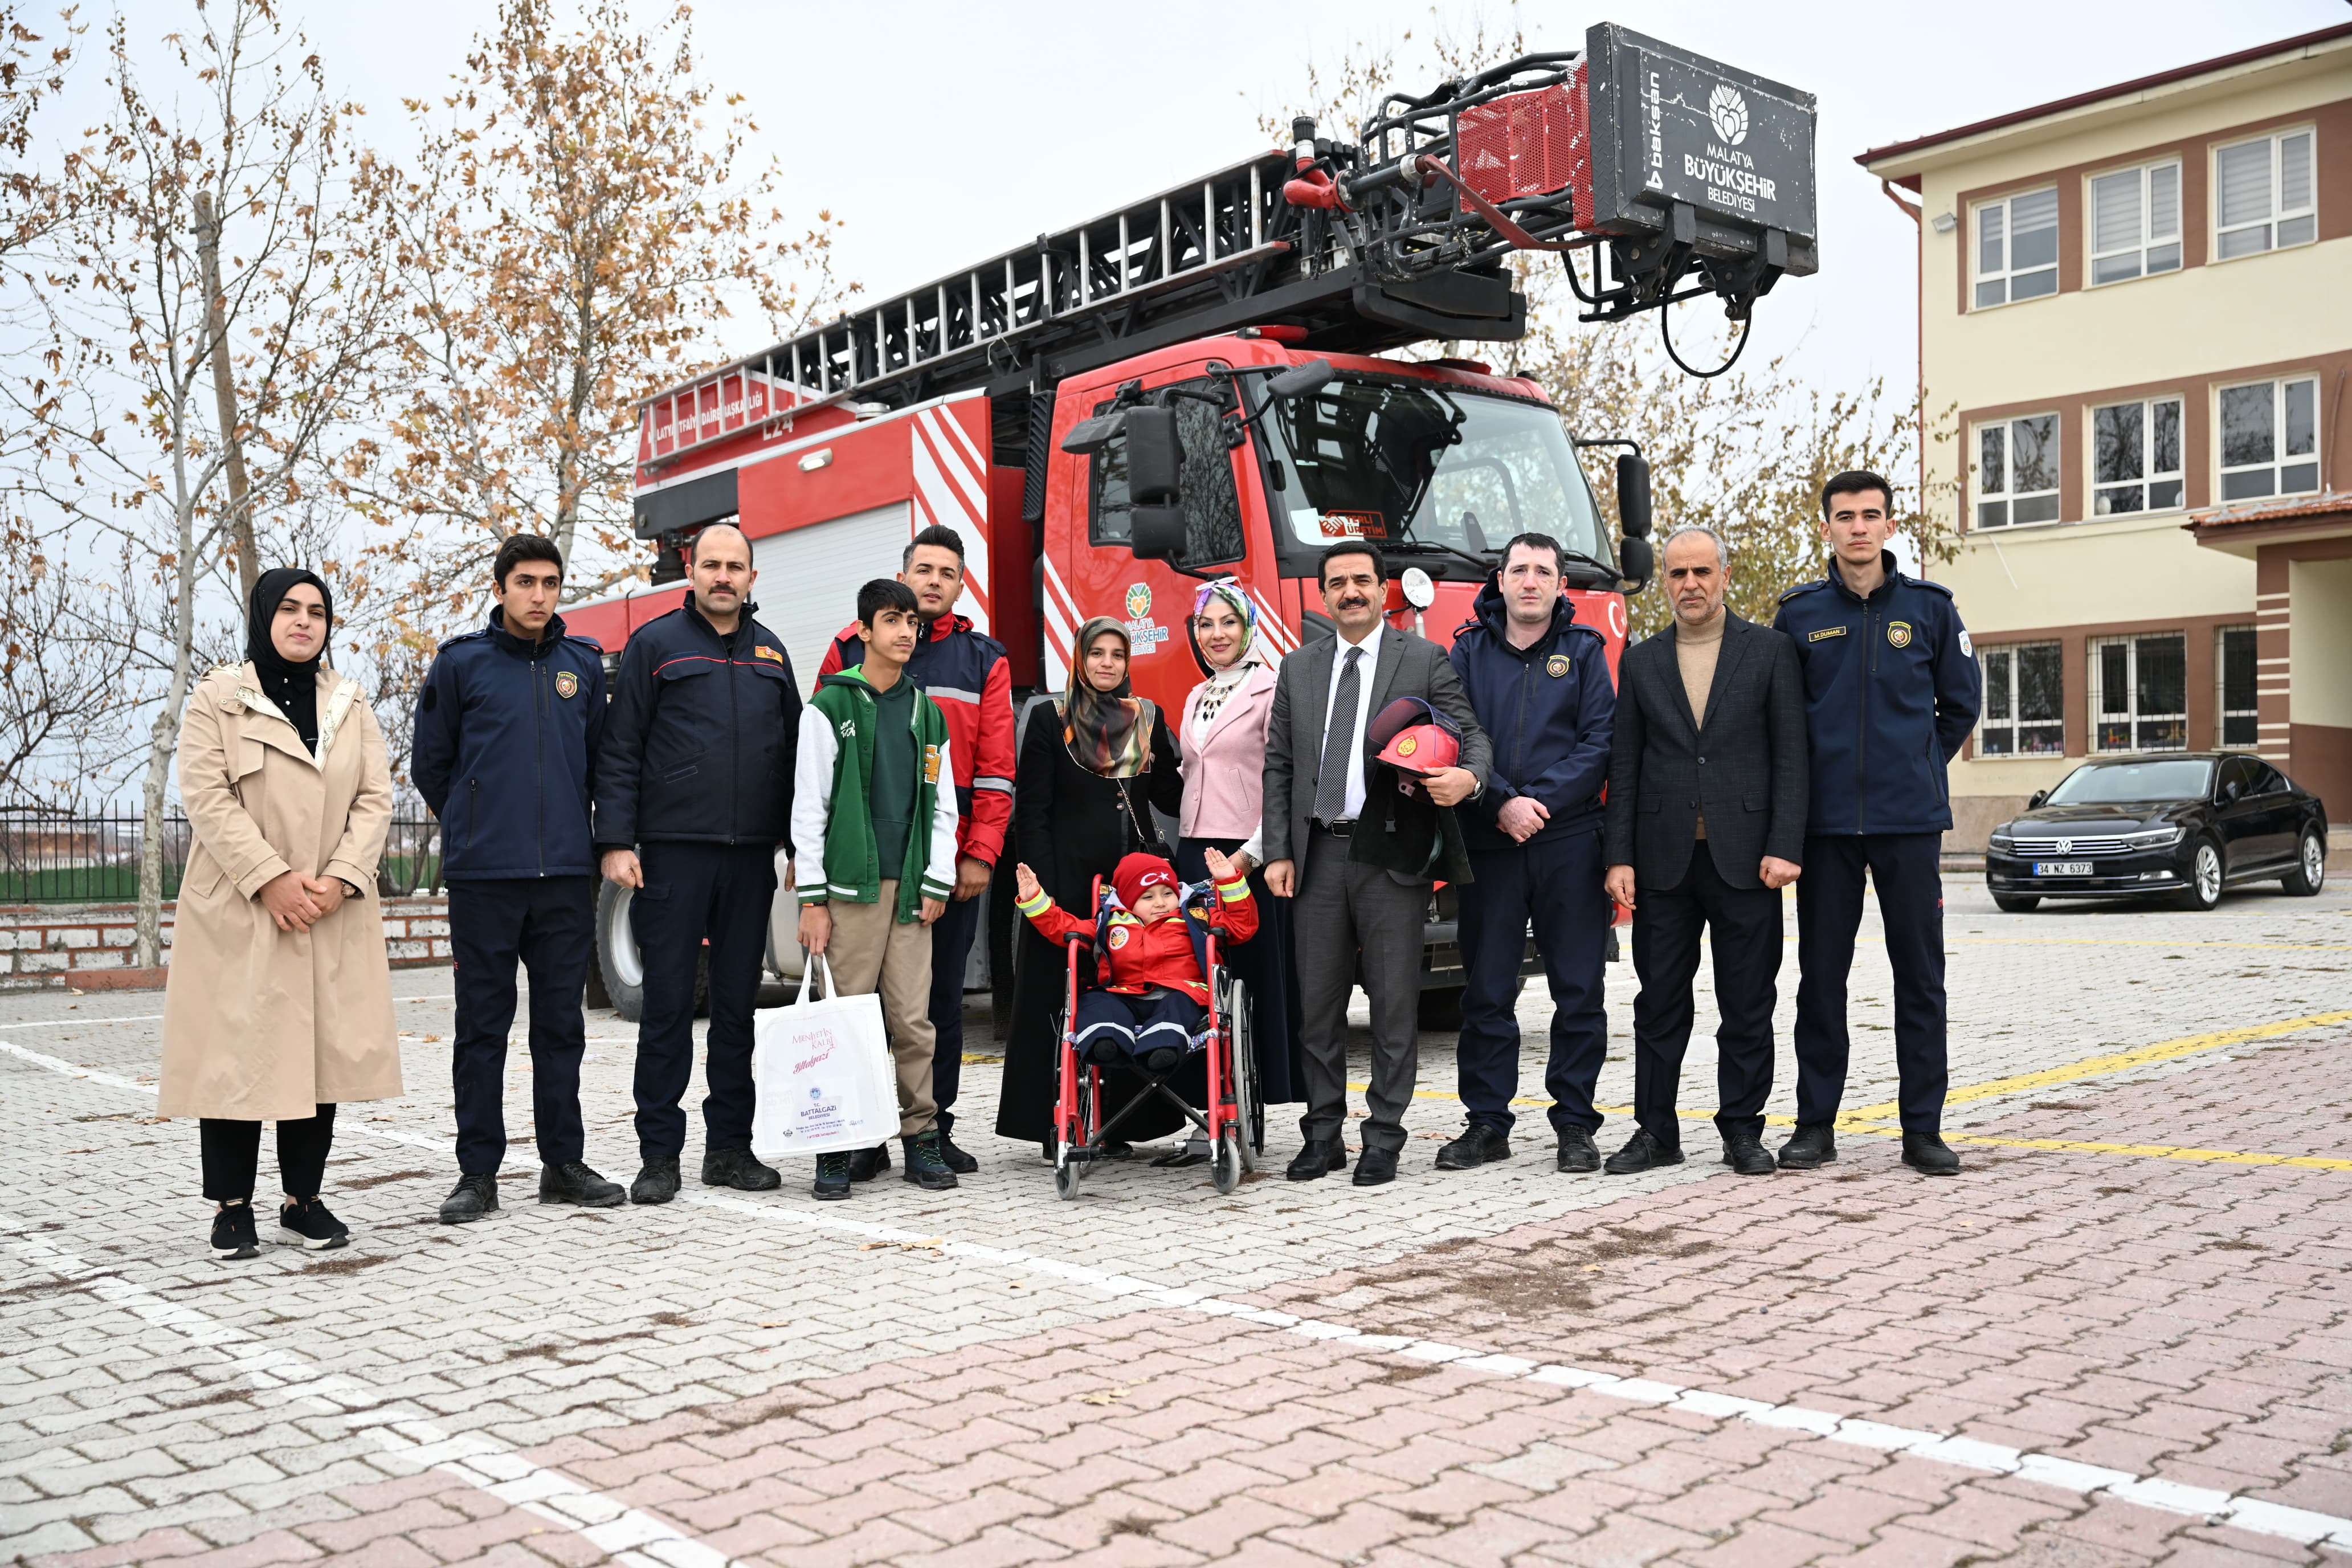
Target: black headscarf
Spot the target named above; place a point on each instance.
(293, 687)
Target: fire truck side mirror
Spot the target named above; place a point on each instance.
(1155, 458)
(1088, 437)
(1301, 379)
(1637, 559)
(1634, 495)
(1156, 532)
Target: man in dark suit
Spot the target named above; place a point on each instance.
(1705, 823)
(1349, 901)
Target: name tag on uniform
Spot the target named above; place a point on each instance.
(1826, 632)
(761, 650)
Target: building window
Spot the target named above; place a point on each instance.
(2017, 472)
(2135, 456)
(2139, 693)
(2024, 707)
(2234, 674)
(2135, 223)
(2270, 439)
(2017, 248)
(2262, 196)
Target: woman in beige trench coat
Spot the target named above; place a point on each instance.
(278, 1003)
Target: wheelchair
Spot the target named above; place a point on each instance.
(1234, 1119)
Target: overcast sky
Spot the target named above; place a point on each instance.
(944, 133)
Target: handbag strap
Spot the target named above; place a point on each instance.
(810, 964)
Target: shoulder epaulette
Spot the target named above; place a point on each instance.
(584, 640)
(1805, 588)
(477, 635)
(1930, 584)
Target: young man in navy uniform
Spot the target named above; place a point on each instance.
(508, 727)
(1891, 692)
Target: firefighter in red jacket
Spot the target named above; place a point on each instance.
(1154, 990)
(964, 672)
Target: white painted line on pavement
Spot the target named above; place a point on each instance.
(407, 1438)
(2241, 1512)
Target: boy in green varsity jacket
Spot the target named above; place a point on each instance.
(874, 838)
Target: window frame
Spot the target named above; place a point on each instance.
(2222, 711)
(2148, 241)
(2279, 212)
(2008, 274)
(2133, 720)
(2008, 498)
(2280, 458)
(2150, 477)
(2016, 723)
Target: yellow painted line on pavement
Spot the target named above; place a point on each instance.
(2113, 1062)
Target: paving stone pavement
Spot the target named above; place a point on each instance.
(2120, 1338)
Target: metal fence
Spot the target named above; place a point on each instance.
(47, 859)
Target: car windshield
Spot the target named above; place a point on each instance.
(2107, 783)
(1409, 463)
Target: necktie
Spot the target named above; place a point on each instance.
(1339, 741)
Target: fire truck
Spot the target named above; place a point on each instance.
(1204, 384)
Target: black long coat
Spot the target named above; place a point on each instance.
(1069, 825)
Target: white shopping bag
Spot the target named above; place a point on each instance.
(822, 1073)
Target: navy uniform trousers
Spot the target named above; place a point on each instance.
(952, 936)
(723, 892)
(548, 924)
(1903, 867)
(1556, 883)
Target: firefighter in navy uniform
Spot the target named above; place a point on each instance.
(508, 728)
(1891, 692)
(694, 792)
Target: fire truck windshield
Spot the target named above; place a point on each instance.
(1414, 465)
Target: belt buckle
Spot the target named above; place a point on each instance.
(1343, 829)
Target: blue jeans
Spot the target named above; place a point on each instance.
(1553, 883)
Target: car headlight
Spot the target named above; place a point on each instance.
(2004, 841)
(2155, 838)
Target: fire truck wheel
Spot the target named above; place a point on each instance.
(616, 971)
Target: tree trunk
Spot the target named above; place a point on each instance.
(240, 504)
(162, 741)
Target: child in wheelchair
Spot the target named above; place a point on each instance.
(1152, 960)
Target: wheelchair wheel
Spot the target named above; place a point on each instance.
(1069, 1172)
(1226, 1172)
(1249, 1093)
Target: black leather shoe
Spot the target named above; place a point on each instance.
(573, 1183)
(1321, 1157)
(736, 1168)
(1375, 1168)
(1927, 1153)
(1642, 1151)
(656, 1181)
(472, 1198)
(865, 1164)
(1577, 1151)
(1746, 1154)
(955, 1159)
(1811, 1147)
(1479, 1145)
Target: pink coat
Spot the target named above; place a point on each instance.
(1225, 770)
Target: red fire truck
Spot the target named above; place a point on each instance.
(1197, 384)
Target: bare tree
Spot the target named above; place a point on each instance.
(225, 220)
(573, 233)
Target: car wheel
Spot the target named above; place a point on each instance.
(2310, 871)
(2016, 903)
(2204, 890)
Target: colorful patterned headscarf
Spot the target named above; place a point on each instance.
(1222, 683)
(1106, 732)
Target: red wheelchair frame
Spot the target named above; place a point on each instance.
(1234, 1121)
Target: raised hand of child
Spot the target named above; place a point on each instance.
(1024, 882)
(1220, 869)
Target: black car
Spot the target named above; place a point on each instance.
(2184, 827)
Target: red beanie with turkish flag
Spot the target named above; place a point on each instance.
(1139, 871)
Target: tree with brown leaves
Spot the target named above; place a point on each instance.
(574, 236)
